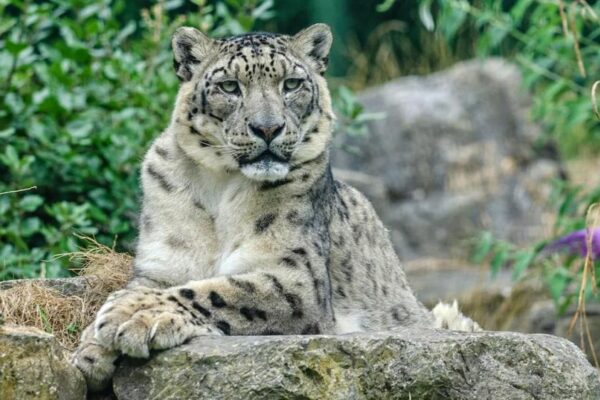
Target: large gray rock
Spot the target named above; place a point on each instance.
(454, 156)
(543, 316)
(34, 366)
(417, 364)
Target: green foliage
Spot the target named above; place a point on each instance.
(557, 45)
(82, 96)
(352, 119)
(562, 273)
(385, 5)
(559, 56)
(83, 92)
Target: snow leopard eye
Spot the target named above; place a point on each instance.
(230, 87)
(289, 85)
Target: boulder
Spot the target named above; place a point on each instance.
(501, 304)
(404, 364)
(543, 316)
(34, 366)
(453, 156)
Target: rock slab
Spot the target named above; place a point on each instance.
(34, 366)
(405, 364)
(454, 155)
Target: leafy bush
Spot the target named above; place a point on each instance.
(557, 45)
(83, 94)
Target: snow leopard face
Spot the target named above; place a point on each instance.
(256, 103)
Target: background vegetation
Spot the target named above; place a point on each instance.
(85, 85)
(557, 45)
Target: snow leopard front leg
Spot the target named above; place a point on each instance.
(262, 303)
(290, 298)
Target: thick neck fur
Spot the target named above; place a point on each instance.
(224, 192)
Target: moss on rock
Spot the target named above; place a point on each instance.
(34, 366)
(412, 363)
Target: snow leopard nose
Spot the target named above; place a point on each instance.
(267, 132)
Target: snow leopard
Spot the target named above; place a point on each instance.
(243, 228)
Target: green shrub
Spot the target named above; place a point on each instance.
(557, 46)
(559, 54)
(84, 91)
(83, 94)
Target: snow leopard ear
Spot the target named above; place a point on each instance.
(190, 48)
(314, 43)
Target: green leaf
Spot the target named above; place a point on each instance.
(385, 6)
(496, 35)
(15, 48)
(89, 11)
(557, 282)
(522, 261)
(7, 24)
(365, 117)
(80, 128)
(518, 10)
(130, 29)
(483, 248)
(6, 133)
(69, 36)
(425, 15)
(72, 329)
(565, 302)
(4, 205)
(450, 21)
(263, 10)
(11, 157)
(40, 95)
(31, 202)
(173, 4)
(44, 318)
(30, 226)
(499, 260)
(14, 102)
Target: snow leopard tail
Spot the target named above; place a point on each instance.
(448, 316)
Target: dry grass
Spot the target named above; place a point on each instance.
(388, 53)
(588, 278)
(108, 269)
(32, 303)
(497, 312)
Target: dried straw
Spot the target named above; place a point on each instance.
(588, 276)
(32, 303)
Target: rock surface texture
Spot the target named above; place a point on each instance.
(407, 364)
(453, 156)
(34, 366)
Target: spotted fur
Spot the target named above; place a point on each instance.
(244, 230)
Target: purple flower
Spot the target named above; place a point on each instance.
(575, 242)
